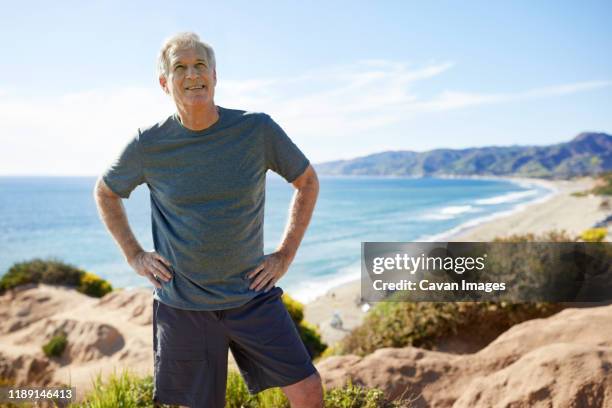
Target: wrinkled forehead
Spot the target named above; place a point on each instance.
(187, 54)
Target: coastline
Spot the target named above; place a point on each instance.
(558, 210)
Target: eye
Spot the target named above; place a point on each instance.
(179, 67)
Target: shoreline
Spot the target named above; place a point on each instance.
(461, 229)
(556, 211)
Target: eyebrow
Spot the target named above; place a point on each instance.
(182, 63)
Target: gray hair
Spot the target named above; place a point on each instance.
(182, 41)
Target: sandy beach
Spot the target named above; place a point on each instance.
(559, 211)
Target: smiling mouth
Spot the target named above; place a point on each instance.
(193, 88)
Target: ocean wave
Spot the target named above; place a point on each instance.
(506, 198)
(450, 212)
(309, 290)
(458, 209)
(445, 235)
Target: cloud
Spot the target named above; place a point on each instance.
(456, 100)
(77, 133)
(326, 111)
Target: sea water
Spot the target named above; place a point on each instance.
(56, 217)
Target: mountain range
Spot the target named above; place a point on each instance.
(589, 153)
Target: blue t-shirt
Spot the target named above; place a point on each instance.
(207, 192)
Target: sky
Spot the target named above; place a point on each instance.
(343, 78)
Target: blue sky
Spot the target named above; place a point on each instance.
(344, 78)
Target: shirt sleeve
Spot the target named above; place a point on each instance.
(126, 172)
(282, 155)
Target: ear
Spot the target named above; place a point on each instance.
(215, 75)
(163, 82)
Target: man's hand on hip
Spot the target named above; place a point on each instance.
(151, 265)
(266, 274)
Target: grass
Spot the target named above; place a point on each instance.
(55, 347)
(127, 390)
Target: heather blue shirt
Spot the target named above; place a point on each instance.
(207, 192)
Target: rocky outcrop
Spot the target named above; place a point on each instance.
(564, 360)
(111, 333)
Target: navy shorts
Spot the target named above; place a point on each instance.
(190, 349)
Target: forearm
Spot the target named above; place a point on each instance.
(300, 213)
(114, 217)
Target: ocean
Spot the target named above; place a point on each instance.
(56, 217)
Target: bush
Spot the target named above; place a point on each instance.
(295, 308)
(237, 395)
(550, 236)
(426, 324)
(312, 339)
(55, 347)
(120, 390)
(49, 271)
(353, 396)
(604, 184)
(53, 272)
(594, 235)
(93, 285)
(308, 333)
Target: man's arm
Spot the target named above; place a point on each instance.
(112, 213)
(276, 264)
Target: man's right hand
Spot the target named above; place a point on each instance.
(151, 265)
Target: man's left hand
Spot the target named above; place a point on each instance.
(266, 274)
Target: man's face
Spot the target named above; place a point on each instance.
(190, 82)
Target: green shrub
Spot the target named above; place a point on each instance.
(237, 395)
(550, 236)
(93, 285)
(55, 347)
(604, 184)
(295, 308)
(353, 396)
(308, 333)
(424, 324)
(594, 234)
(312, 339)
(53, 272)
(120, 390)
(580, 194)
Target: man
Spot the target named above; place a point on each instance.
(205, 167)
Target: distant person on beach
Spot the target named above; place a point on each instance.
(205, 167)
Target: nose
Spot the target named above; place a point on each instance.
(191, 73)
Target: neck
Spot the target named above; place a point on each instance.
(198, 118)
